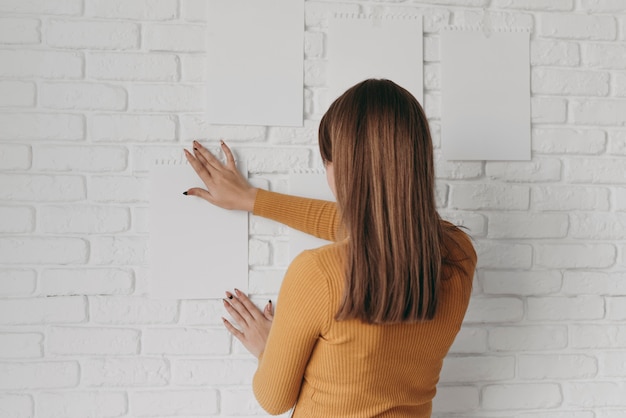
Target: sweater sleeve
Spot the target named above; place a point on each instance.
(314, 217)
(302, 315)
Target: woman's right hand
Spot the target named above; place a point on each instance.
(226, 187)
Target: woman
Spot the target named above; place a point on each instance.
(362, 325)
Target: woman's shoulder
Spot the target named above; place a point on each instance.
(457, 247)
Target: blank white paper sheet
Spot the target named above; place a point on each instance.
(197, 250)
(255, 62)
(485, 104)
(311, 184)
(375, 46)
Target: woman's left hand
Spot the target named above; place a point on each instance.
(254, 325)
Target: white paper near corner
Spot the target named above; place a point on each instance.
(197, 250)
(314, 185)
(255, 62)
(485, 95)
(387, 46)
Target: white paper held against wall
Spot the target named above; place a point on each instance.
(197, 250)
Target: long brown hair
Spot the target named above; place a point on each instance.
(377, 137)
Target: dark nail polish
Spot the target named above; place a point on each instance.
(185, 193)
(195, 149)
(270, 302)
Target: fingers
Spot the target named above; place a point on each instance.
(230, 159)
(268, 312)
(208, 158)
(238, 334)
(247, 303)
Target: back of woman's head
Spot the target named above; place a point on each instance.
(377, 138)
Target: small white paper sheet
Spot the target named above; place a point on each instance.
(485, 99)
(311, 184)
(197, 250)
(375, 46)
(255, 62)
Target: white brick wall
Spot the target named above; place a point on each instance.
(93, 91)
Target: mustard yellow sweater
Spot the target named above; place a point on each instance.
(329, 368)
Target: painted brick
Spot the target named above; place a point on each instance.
(166, 98)
(557, 53)
(83, 219)
(593, 283)
(620, 199)
(501, 309)
(119, 250)
(39, 375)
(472, 369)
(612, 363)
(16, 219)
(79, 404)
(451, 399)
(236, 402)
(131, 128)
(15, 282)
(174, 402)
(497, 19)
(193, 67)
(35, 126)
(132, 66)
(457, 170)
(528, 225)
(615, 308)
(599, 170)
(92, 34)
(595, 394)
(135, 10)
(40, 63)
(119, 189)
(548, 110)
(170, 37)
(132, 310)
(17, 406)
(538, 170)
(265, 281)
(540, 282)
(619, 85)
(527, 396)
(19, 31)
(92, 341)
(557, 5)
(470, 340)
(313, 44)
(85, 96)
(617, 143)
(38, 250)
(80, 158)
(528, 338)
(190, 341)
(599, 112)
(125, 372)
(21, 345)
(568, 82)
(16, 93)
(598, 336)
(15, 157)
(106, 281)
(578, 26)
(603, 6)
(565, 308)
(569, 141)
(604, 55)
(215, 372)
(489, 196)
(57, 7)
(288, 135)
(575, 255)
(196, 127)
(259, 253)
(605, 226)
(566, 198)
(500, 255)
(43, 310)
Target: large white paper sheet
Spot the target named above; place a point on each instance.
(375, 46)
(255, 62)
(485, 94)
(312, 184)
(197, 250)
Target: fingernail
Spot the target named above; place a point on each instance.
(238, 292)
(270, 302)
(185, 193)
(230, 295)
(195, 149)
(221, 142)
